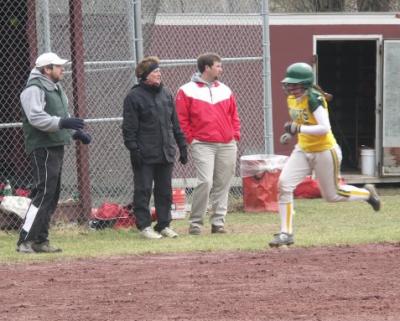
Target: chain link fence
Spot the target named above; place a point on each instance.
(179, 31)
(103, 40)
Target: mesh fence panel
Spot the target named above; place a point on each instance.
(176, 31)
(14, 166)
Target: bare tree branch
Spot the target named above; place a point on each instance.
(373, 5)
(318, 5)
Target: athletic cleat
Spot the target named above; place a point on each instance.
(373, 200)
(281, 239)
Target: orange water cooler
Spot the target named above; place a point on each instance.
(178, 208)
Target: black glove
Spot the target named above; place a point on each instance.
(285, 138)
(85, 138)
(183, 158)
(292, 127)
(136, 157)
(71, 123)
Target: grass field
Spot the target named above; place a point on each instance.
(316, 223)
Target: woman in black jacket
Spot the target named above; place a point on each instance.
(150, 129)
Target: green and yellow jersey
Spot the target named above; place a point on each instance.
(301, 111)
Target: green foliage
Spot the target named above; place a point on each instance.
(316, 223)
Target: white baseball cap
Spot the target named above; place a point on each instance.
(49, 58)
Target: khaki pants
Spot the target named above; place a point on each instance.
(215, 167)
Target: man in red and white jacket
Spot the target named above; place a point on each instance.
(207, 113)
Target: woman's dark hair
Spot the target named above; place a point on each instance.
(326, 95)
(145, 65)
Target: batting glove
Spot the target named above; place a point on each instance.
(291, 127)
(285, 138)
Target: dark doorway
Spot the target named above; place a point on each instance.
(347, 69)
(14, 70)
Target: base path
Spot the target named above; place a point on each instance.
(348, 283)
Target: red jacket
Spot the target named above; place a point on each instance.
(208, 114)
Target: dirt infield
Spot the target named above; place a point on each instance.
(324, 284)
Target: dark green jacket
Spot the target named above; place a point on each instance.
(56, 105)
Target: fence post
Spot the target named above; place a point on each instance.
(138, 30)
(79, 99)
(31, 32)
(268, 130)
(43, 21)
(131, 32)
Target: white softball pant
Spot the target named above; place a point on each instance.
(326, 167)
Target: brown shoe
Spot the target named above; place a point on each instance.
(217, 229)
(194, 230)
(45, 247)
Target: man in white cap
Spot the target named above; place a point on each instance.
(47, 127)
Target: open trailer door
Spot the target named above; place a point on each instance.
(391, 109)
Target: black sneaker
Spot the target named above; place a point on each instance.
(217, 229)
(281, 239)
(373, 200)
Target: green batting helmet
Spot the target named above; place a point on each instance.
(299, 73)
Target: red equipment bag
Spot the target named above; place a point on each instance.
(112, 215)
(126, 219)
(308, 188)
(107, 211)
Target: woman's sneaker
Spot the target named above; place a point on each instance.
(168, 232)
(281, 239)
(149, 233)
